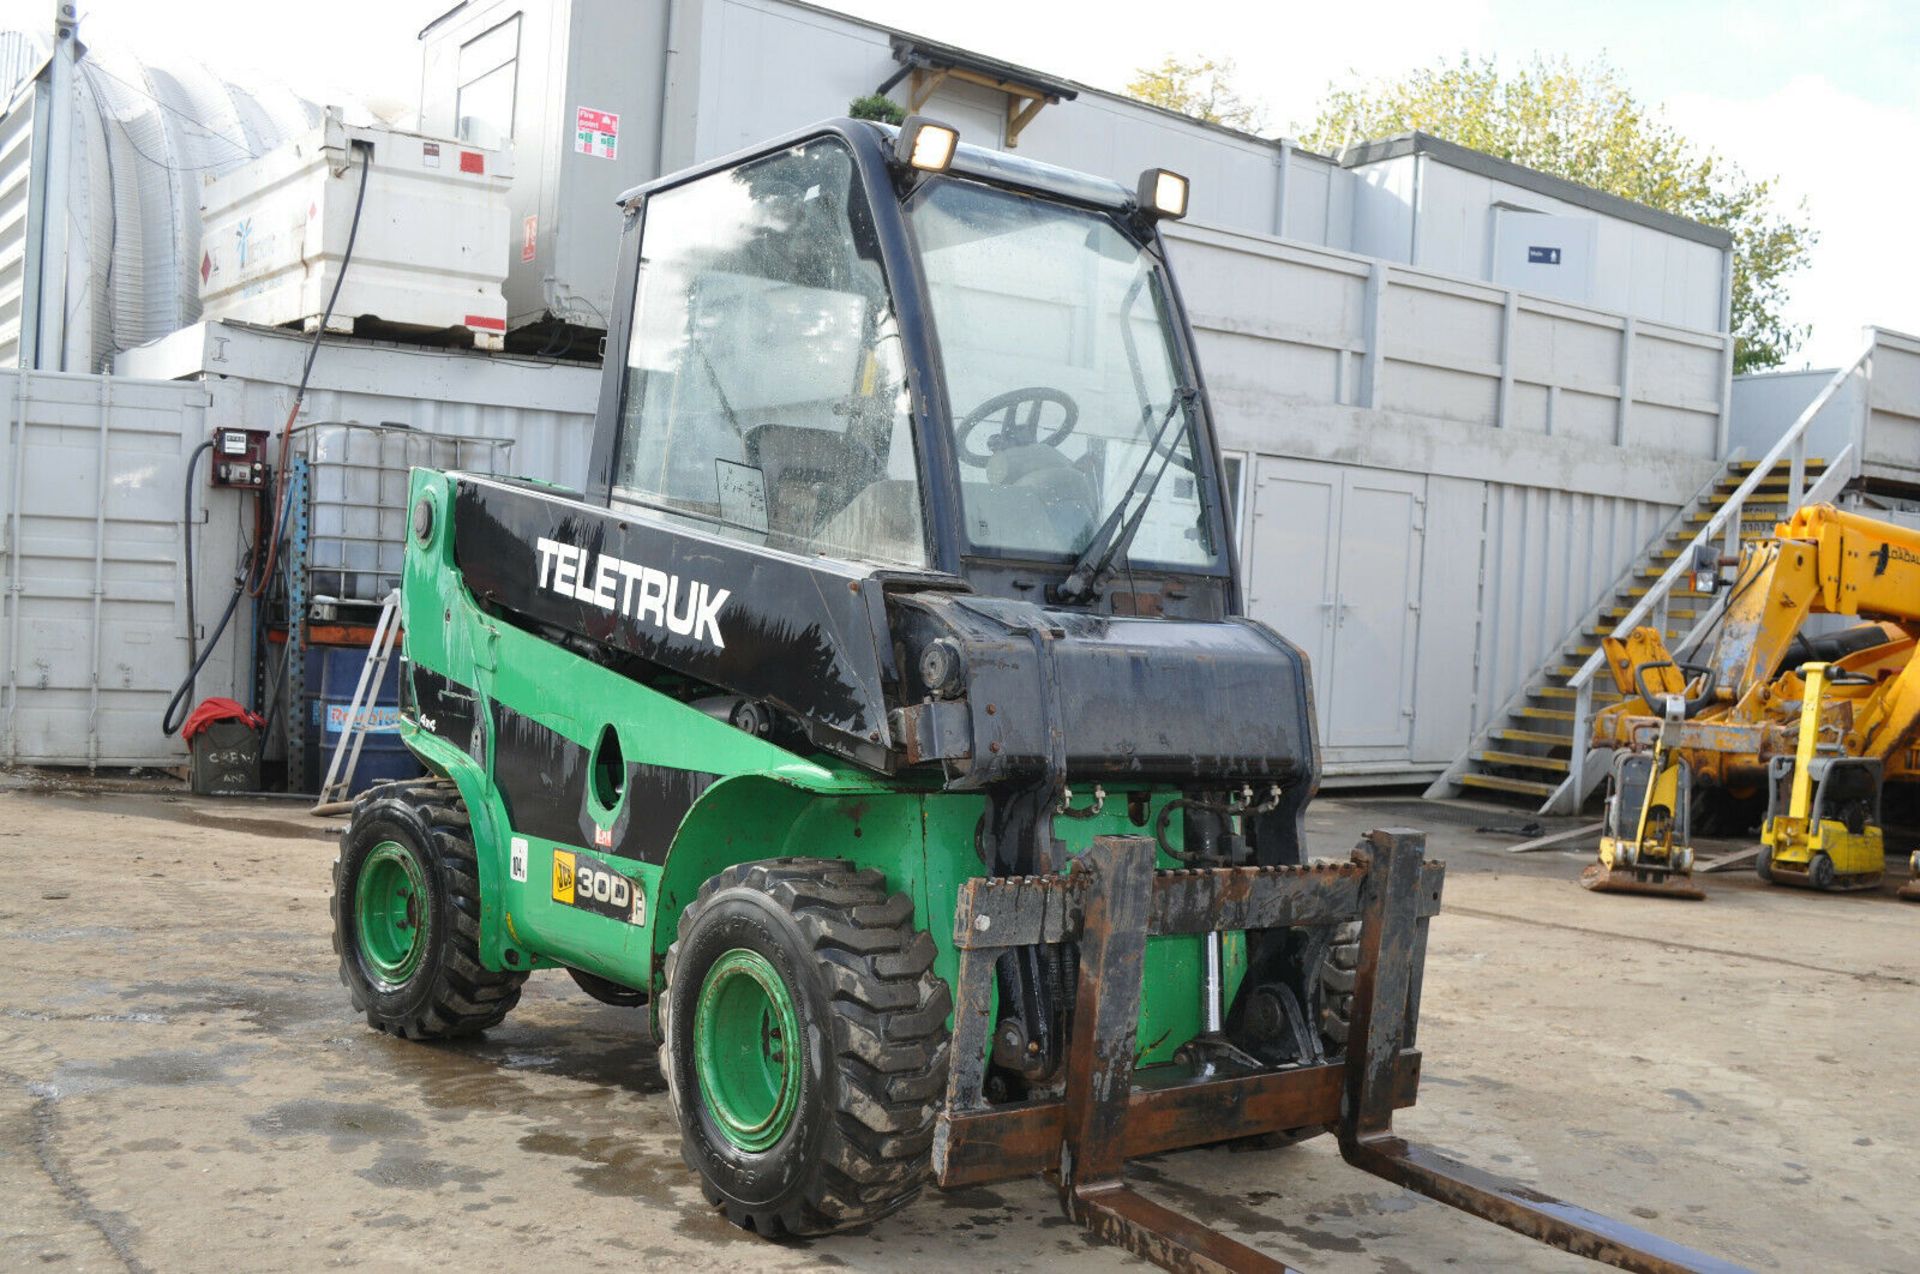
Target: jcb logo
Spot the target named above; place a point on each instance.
(563, 876)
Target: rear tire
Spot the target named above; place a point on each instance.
(804, 1043)
(1763, 865)
(1820, 872)
(406, 916)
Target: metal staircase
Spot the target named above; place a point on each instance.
(1527, 751)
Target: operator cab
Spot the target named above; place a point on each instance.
(978, 371)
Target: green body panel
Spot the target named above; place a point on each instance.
(766, 802)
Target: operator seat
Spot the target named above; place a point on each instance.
(1026, 483)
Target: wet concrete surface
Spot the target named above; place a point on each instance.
(183, 1085)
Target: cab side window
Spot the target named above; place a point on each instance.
(765, 395)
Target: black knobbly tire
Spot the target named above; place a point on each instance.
(449, 992)
(872, 1025)
(1336, 985)
(1763, 864)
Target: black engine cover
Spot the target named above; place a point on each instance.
(1095, 696)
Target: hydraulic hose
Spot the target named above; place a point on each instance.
(256, 573)
(256, 584)
(175, 715)
(186, 548)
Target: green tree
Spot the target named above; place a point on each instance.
(1581, 123)
(876, 106)
(1202, 88)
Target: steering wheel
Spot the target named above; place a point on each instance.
(1015, 432)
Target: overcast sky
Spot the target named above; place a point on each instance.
(1823, 96)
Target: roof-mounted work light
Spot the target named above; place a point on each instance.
(925, 144)
(1162, 194)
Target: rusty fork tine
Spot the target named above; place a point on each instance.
(1171, 1240)
(1388, 920)
(1527, 1211)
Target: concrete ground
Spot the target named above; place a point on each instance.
(183, 1086)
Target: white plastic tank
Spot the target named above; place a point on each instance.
(429, 254)
(125, 218)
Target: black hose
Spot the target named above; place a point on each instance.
(170, 723)
(253, 578)
(256, 584)
(186, 548)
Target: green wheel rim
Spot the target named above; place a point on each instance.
(747, 1050)
(389, 913)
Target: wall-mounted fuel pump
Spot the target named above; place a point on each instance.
(239, 459)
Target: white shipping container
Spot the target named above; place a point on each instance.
(430, 254)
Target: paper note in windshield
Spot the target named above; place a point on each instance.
(743, 495)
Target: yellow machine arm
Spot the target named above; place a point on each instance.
(1820, 561)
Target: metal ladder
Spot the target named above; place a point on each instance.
(336, 791)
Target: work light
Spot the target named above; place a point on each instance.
(1163, 194)
(926, 144)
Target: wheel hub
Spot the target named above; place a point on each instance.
(746, 1050)
(389, 899)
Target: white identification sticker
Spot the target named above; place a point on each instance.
(517, 858)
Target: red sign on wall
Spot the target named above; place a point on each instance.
(596, 132)
(529, 238)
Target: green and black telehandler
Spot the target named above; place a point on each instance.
(884, 718)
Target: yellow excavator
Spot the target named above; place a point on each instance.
(1742, 712)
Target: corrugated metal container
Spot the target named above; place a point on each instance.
(1547, 555)
(430, 252)
(1434, 476)
(93, 634)
(93, 637)
(545, 407)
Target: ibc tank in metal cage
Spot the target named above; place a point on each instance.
(357, 510)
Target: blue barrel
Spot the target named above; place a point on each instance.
(332, 674)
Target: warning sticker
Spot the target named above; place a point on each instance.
(517, 858)
(529, 237)
(596, 132)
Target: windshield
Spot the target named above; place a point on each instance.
(1057, 348)
(765, 394)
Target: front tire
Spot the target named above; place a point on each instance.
(406, 916)
(804, 1043)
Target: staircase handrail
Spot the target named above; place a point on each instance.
(1715, 524)
(1568, 796)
